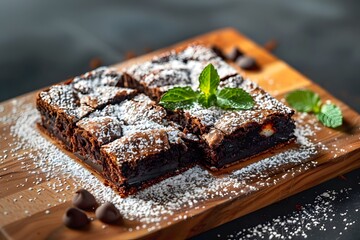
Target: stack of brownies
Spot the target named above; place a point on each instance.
(112, 122)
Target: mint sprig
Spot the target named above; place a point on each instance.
(179, 97)
(304, 101)
(209, 81)
(208, 94)
(234, 98)
(330, 115)
(307, 101)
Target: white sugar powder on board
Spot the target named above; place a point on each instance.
(156, 203)
(316, 215)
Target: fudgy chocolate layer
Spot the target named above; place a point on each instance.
(249, 141)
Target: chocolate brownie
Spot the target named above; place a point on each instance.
(133, 144)
(112, 122)
(232, 136)
(172, 69)
(62, 105)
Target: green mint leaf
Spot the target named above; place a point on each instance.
(179, 97)
(234, 98)
(330, 115)
(209, 95)
(207, 101)
(209, 80)
(304, 101)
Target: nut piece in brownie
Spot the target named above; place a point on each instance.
(231, 136)
(62, 105)
(172, 69)
(133, 145)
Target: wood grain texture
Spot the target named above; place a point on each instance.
(275, 76)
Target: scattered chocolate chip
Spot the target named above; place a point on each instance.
(75, 218)
(271, 45)
(148, 50)
(234, 54)
(218, 51)
(129, 55)
(247, 63)
(95, 63)
(84, 200)
(107, 213)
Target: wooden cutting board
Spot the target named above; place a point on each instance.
(342, 155)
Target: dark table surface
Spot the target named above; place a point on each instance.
(43, 42)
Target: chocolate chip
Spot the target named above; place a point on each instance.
(234, 54)
(271, 45)
(95, 63)
(107, 213)
(84, 200)
(218, 51)
(246, 62)
(75, 218)
(129, 55)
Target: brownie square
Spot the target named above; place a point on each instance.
(142, 158)
(114, 121)
(232, 136)
(172, 69)
(133, 145)
(62, 105)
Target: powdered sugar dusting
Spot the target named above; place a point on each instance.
(229, 121)
(178, 69)
(86, 93)
(197, 52)
(135, 147)
(105, 129)
(316, 215)
(134, 111)
(165, 200)
(130, 120)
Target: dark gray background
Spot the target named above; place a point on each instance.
(43, 42)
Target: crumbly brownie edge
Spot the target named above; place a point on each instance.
(86, 145)
(215, 160)
(275, 147)
(58, 125)
(51, 134)
(126, 190)
(120, 186)
(137, 170)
